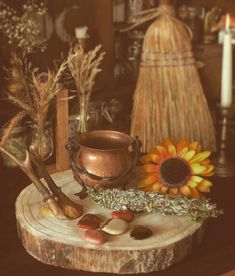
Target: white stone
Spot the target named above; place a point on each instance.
(115, 227)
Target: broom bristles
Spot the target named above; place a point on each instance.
(169, 101)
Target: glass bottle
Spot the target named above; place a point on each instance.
(119, 70)
(42, 144)
(195, 23)
(134, 53)
(119, 7)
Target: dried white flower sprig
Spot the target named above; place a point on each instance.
(22, 31)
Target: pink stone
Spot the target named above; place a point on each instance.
(125, 215)
(89, 221)
(94, 236)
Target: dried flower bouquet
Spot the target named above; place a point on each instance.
(35, 102)
(84, 67)
(22, 32)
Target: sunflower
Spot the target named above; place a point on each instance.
(176, 169)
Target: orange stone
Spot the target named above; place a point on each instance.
(94, 236)
(125, 215)
(89, 221)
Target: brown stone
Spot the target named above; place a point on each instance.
(140, 232)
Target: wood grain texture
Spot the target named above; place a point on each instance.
(59, 243)
(62, 131)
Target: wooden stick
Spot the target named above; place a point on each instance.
(62, 131)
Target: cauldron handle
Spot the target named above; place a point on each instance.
(74, 148)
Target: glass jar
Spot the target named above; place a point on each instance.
(119, 69)
(42, 141)
(195, 23)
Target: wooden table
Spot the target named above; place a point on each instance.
(214, 256)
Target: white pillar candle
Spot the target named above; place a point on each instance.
(81, 32)
(226, 82)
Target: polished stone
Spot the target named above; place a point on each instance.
(89, 221)
(94, 236)
(140, 232)
(125, 215)
(115, 226)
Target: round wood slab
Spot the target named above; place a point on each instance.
(58, 242)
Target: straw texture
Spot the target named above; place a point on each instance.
(169, 101)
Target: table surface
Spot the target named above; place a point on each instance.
(215, 256)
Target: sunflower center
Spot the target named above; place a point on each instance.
(174, 172)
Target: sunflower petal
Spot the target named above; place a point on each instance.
(206, 162)
(155, 158)
(195, 146)
(185, 190)
(156, 187)
(181, 145)
(197, 168)
(204, 186)
(147, 180)
(170, 147)
(196, 178)
(149, 158)
(195, 193)
(183, 151)
(188, 155)
(157, 154)
(200, 156)
(172, 150)
(148, 188)
(164, 189)
(209, 171)
(192, 184)
(173, 191)
(209, 174)
(162, 151)
(148, 168)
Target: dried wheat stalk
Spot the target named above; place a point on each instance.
(7, 132)
(38, 95)
(84, 67)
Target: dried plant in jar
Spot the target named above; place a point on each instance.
(84, 67)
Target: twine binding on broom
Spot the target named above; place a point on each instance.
(169, 101)
(167, 59)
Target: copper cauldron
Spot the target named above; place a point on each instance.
(102, 158)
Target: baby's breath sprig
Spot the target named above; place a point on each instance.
(22, 31)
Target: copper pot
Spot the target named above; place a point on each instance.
(103, 158)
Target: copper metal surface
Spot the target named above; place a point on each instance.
(104, 153)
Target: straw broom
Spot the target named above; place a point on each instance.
(169, 101)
